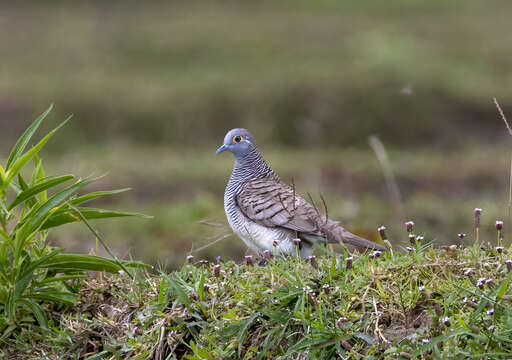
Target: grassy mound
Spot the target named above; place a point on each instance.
(425, 303)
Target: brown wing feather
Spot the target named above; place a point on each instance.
(270, 203)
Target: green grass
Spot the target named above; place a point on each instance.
(422, 304)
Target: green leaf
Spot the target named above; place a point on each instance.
(2, 175)
(27, 269)
(94, 195)
(502, 290)
(37, 215)
(20, 161)
(76, 262)
(99, 356)
(370, 340)
(62, 297)
(37, 310)
(62, 278)
(66, 215)
(25, 138)
(243, 331)
(179, 289)
(30, 192)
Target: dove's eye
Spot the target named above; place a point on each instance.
(237, 139)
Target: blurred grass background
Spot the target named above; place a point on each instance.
(154, 86)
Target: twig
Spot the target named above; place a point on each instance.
(294, 198)
(502, 114)
(325, 208)
(377, 329)
(221, 237)
(314, 205)
(504, 118)
(283, 205)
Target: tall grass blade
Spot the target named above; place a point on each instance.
(30, 192)
(94, 195)
(66, 216)
(97, 235)
(25, 158)
(37, 310)
(37, 215)
(25, 138)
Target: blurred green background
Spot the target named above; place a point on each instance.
(154, 86)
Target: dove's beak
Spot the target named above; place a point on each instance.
(224, 147)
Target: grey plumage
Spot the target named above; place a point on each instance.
(264, 211)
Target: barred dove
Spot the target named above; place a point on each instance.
(267, 214)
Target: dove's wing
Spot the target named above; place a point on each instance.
(272, 203)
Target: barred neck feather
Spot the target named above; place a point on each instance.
(250, 166)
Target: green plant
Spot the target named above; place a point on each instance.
(34, 275)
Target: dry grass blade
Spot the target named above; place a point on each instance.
(509, 205)
(503, 117)
(391, 182)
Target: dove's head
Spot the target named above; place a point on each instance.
(239, 142)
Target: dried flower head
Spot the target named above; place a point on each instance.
(478, 212)
(446, 321)
(341, 322)
(412, 239)
(349, 262)
(312, 261)
(216, 270)
(499, 225)
(480, 283)
(382, 232)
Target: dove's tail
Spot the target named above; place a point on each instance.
(336, 233)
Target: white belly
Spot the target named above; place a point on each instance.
(260, 238)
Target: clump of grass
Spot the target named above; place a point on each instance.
(36, 278)
(425, 305)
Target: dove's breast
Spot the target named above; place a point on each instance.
(257, 237)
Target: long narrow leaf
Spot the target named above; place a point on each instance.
(62, 297)
(66, 215)
(105, 246)
(36, 216)
(37, 310)
(94, 195)
(38, 188)
(25, 138)
(66, 263)
(15, 168)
